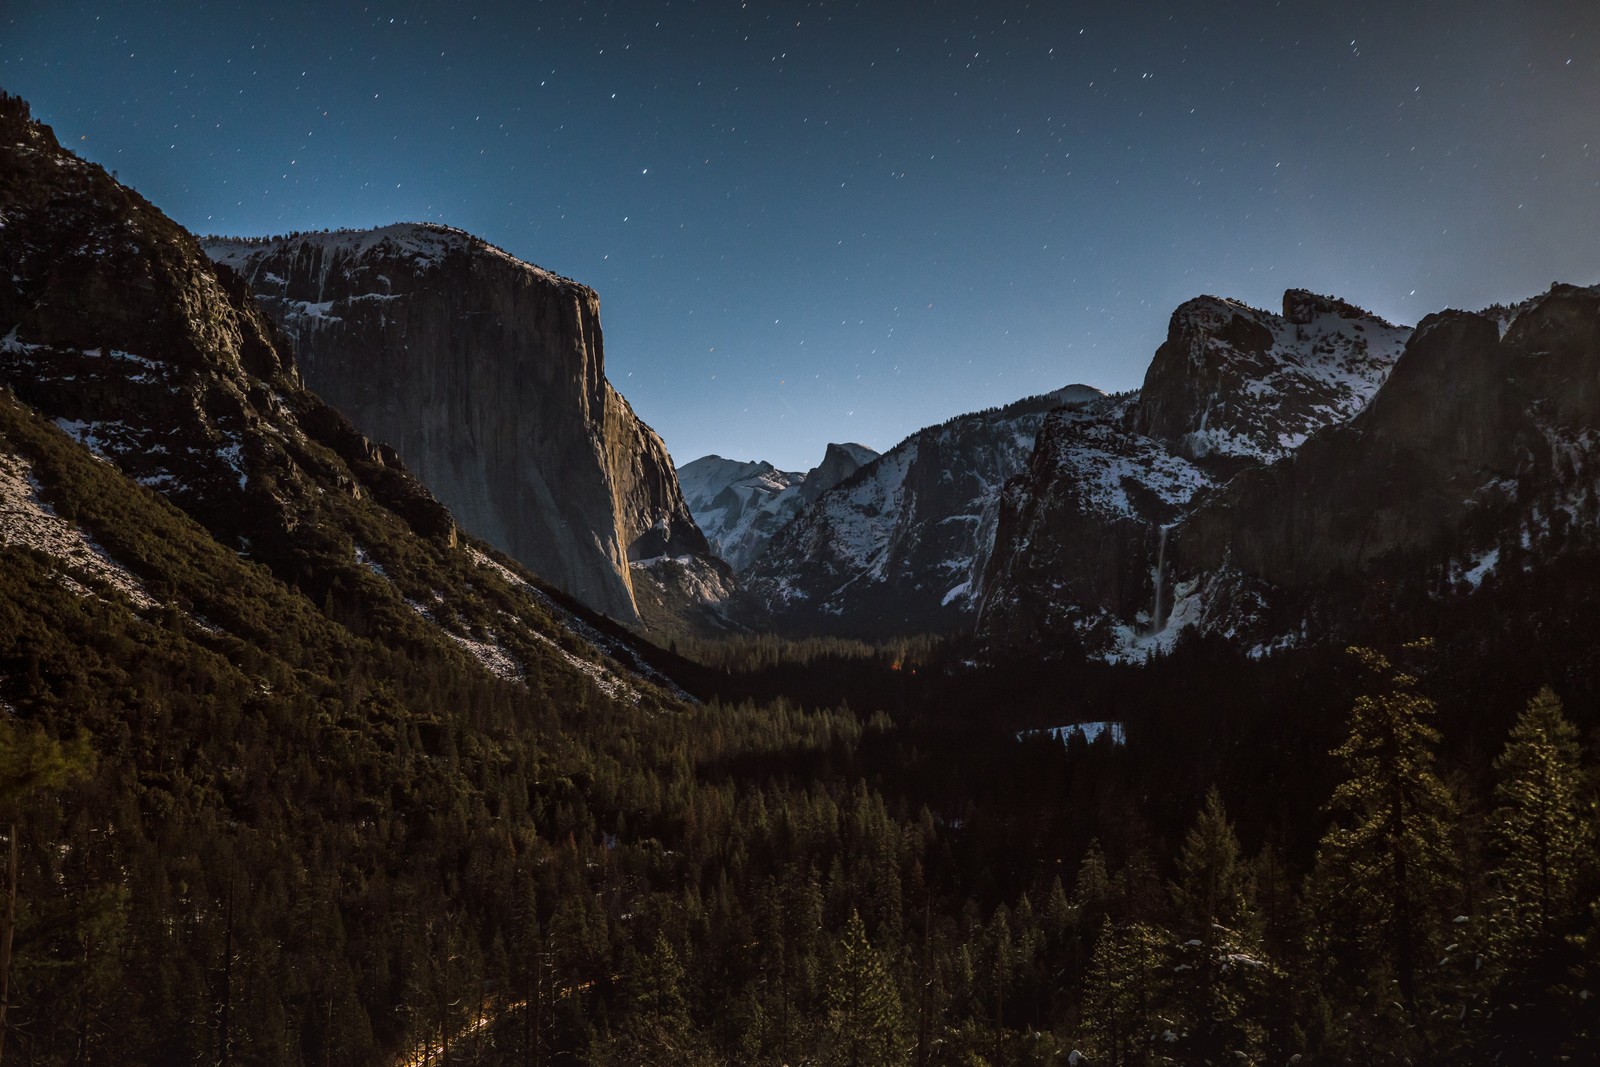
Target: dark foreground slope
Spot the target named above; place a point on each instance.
(311, 706)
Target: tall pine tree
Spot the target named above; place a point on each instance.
(864, 1015)
(1119, 993)
(1540, 828)
(1543, 836)
(1220, 996)
(1387, 863)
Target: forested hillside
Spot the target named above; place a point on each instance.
(307, 848)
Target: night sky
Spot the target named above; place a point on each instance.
(843, 221)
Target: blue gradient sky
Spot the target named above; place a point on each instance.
(842, 221)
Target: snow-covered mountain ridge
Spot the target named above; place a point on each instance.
(930, 532)
(901, 544)
(1472, 448)
(739, 506)
(1233, 380)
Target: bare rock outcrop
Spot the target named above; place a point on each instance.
(487, 375)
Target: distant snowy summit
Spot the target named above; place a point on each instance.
(1052, 511)
(740, 505)
(902, 545)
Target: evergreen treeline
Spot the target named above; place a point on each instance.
(286, 825)
(214, 869)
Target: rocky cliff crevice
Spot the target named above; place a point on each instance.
(652, 519)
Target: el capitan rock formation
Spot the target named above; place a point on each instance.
(487, 375)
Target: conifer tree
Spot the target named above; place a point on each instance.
(1092, 891)
(1211, 884)
(1119, 992)
(1387, 859)
(1543, 836)
(1058, 913)
(1540, 829)
(1219, 996)
(658, 1031)
(863, 1021)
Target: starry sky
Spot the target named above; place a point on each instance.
(830, 221)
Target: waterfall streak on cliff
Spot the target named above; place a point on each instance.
(1157, 623)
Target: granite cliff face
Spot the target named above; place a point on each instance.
(487, 374)
(1080, 531)
(1478, 445)
(117, 329)
(1232, 381)
(839, 462)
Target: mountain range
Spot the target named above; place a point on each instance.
(1216, 499)
(740, 506)
(335, 726)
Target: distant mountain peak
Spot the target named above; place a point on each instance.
(1302, 307)
(859, 453)
(741, 505)
(901, 544)
(1069, 395)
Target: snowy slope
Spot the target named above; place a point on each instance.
(740, 506)
(1236, 381)
(902, 545)
(28, 521)
(1272, 460)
